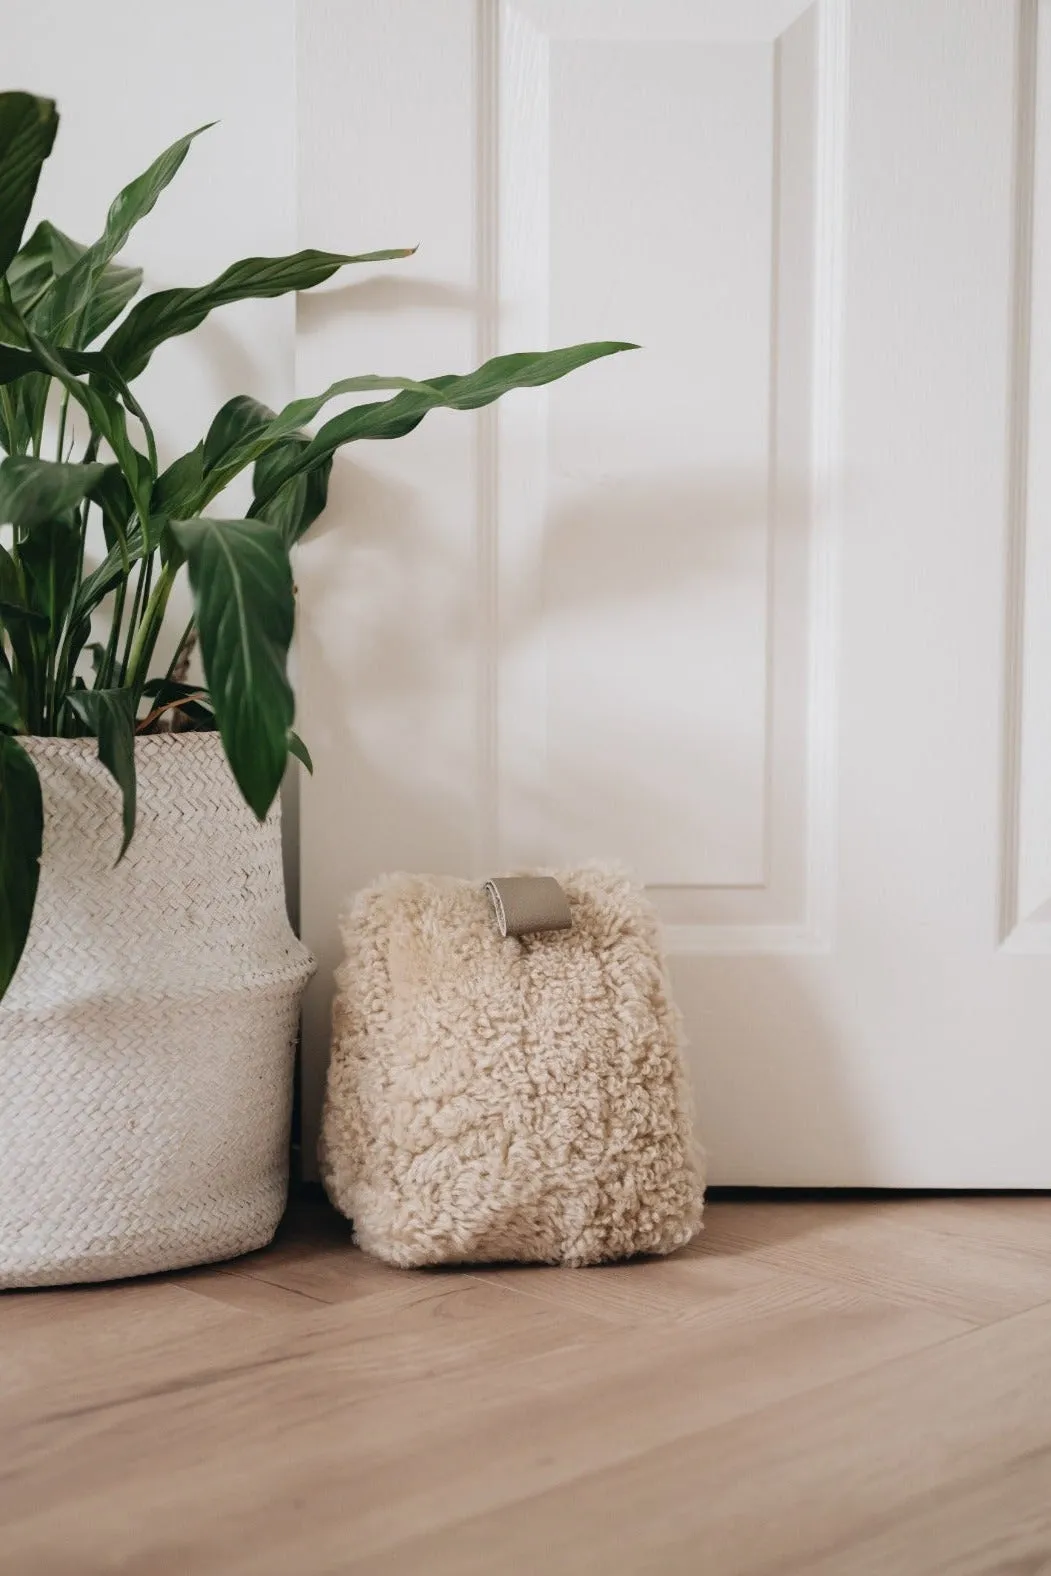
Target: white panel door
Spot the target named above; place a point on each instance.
(762, 608)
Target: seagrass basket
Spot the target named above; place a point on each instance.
(147, 1039)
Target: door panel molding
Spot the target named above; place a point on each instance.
(762, 880)
(1025, 893)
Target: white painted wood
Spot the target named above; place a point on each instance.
(759, 608)
(694, 473)
(1026, 914)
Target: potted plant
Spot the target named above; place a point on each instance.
(149, 980)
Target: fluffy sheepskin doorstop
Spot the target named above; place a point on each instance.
(494, 1098)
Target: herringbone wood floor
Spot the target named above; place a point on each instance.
(856, 1387)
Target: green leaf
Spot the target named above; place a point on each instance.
(107, 576)
(175, 489)
(77, 284)
(240, 422)
(33, 354)
(62, 247)
(21, 839)
(50, 558)
(298, 502)
(242, 586)
(76, 640)
(32, 268)
(194, 701)
(27, 133)
(113, 496)
(50, 253)
(110, 715)
(138, 198)
(16, 618)
(30, 407)
(244, 430)
(16, 613)
(114, 288)
(97, 398)
(106, 416)
(169, 313)
(300, 411)
(523, 370)
(10, 706)
(13, 613)
(395, 417)
(10, 579)
(297, 748)
(16, 363)
(12, 328)
(171, 689)
(32, 491)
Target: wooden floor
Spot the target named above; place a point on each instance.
(812, 1388)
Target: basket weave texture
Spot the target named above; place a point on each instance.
(147, 1039)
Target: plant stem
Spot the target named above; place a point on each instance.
(66, 661)
(105, 674)
(39, 416)
(62, 425)
(34, 701)
(51, 686)
(9, 417)
(180, 649)
(133, 622)
(144, 644)
(142, 591)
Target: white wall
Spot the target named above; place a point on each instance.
(388, 580)
(129, 79)
(387, 647)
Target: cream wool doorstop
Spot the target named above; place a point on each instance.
(509, 1097)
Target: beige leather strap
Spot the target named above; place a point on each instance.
(528, 903)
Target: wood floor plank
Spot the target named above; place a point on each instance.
(124, 1420)
(807, 1389)
(605, 1406)
(49, 1339)
(249, 1293)
(336, 1275)
(996, 1522)
(685, 1288)
(897, 1251)
(412, 1329)
(358, 1435)
(314, 1254)
(804, 1480)
(119, 1481)
(1021, 1223)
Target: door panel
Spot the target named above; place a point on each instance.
(757, 608)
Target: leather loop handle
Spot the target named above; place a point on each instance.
(528, 903)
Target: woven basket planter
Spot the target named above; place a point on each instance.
(147, 1039)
